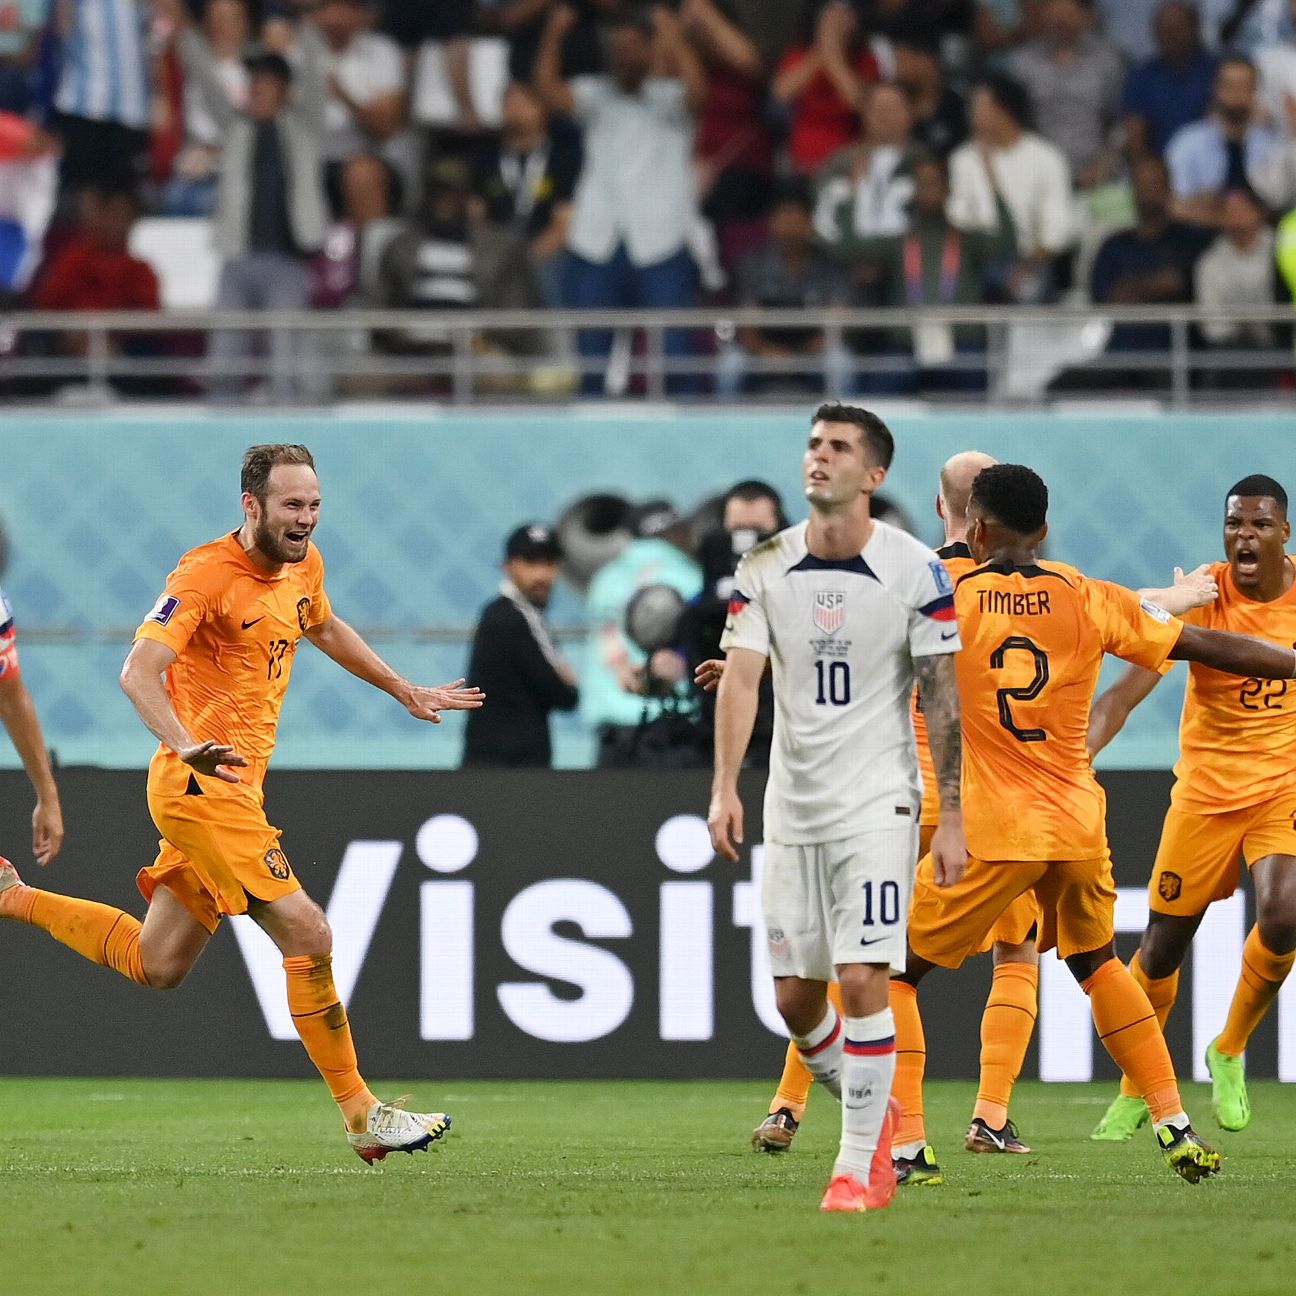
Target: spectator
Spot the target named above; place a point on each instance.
(864, 191)
(1253, 24)
(28, 188)
(448, 22)
(371, 157)
(514, 661)
(1005, 165)
(1237, 272)
(522, 24)
(1000, 25)
(939, 112)
(1274, 181)
(22, 25)
(193, 187)
(1172, 89)
(1220, 152)
(793, 271)
(933, 264)
(271, 211)
(822, 86)
(1276, 63)
(734, 149)
(1073, 80)
(634, 204)
(103, 96)
(613, 700)
(527, 181)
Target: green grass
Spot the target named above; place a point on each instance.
(145, 1188)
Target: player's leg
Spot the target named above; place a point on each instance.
(1006, 1027)
(298, 927)
(1267, 958)
(913, 1157)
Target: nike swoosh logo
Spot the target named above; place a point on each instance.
(247, 625)
(948, 634)
(875, 941)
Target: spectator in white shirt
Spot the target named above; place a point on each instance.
(1006, 168)
(635, 201)
(1237, 272)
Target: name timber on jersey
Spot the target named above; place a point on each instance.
(958, 560)
(1034, 638)
(1237, 738)
(234, 628)
(841, 636)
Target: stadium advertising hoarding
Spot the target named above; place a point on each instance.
(518, 924)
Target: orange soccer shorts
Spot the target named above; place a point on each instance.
(217, 851)
(1012, 927)
(1197, 860)
(1076, 899)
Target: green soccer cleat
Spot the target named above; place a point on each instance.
(919, 1171)
(1229, 1099)
(1121, 1120)
(1186, 1154)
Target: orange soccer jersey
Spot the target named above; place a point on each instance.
(1237, 739)
(1033, 644)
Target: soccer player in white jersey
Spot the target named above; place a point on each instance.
(850, 612)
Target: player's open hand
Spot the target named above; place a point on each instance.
(949, 851)
(1199, 584)
(47, 830)
(216, 760)
(428, 703)
(725, 820)
(708, 674)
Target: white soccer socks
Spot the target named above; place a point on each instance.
(868, 1062)
(821, 1051)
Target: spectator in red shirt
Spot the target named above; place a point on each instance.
(822, 86)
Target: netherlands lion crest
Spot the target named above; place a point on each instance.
(1169, 885)
(277, 862)
(303, 613)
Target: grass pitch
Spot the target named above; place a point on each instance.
(148, 1188)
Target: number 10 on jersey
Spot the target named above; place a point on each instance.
(834, 683)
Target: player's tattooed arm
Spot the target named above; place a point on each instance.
(938, 691)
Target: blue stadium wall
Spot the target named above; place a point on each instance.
(99, 506)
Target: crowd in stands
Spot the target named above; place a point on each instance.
(453, 154)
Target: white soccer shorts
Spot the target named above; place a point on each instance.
(839, 902)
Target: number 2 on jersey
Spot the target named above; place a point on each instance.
(1023, 693)
(834, 683)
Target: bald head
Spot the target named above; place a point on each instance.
(956, 479)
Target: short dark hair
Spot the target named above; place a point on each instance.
(1010, 95)
(1260, 486)
(1238, 59)
(260, 460)
(873, 432)
(263, 62)
(1013, 495)
(794, 190)
(751, 490)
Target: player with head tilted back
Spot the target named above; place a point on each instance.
(1234, 799)
(1034, 636)
(850, 612)
(207, 674)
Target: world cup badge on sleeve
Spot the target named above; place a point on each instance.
(829, 610)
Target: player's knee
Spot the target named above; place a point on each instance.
(313, 935)
(164, 973)
(801, 1009)
(1278, 932)
(1160, 953)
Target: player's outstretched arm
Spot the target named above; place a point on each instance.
(1190, 590)
(735, 717)
(141, 681)
(1111, 709)
(1235, 654)
(336, 639)
(938, 689)
(18, 712)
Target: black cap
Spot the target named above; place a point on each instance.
(534, 542)
(267, 62)
(654, 518)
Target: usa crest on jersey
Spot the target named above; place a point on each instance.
(829, 610)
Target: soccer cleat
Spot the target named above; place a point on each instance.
(1229, 1099)
(1121, 1120)
(8, 880)
(981, 1138)
(390, 1128)
(846, 1193)
(919, 1171)
(776, 1132)
(1186, 1154)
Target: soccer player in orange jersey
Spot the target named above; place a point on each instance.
(207, 674)
(1234, 799)
(1034, 634)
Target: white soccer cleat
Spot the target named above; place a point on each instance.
(390, 1128)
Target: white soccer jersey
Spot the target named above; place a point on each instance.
(841, 636)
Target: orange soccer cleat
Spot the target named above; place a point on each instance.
(846, 1193)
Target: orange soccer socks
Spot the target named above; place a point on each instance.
(1161, 993)
(1263, 973)
(98, 932)
(1006, 1027)
(794, 1084)
(1128, 1027)
(911, 1064)
(321, 1021)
